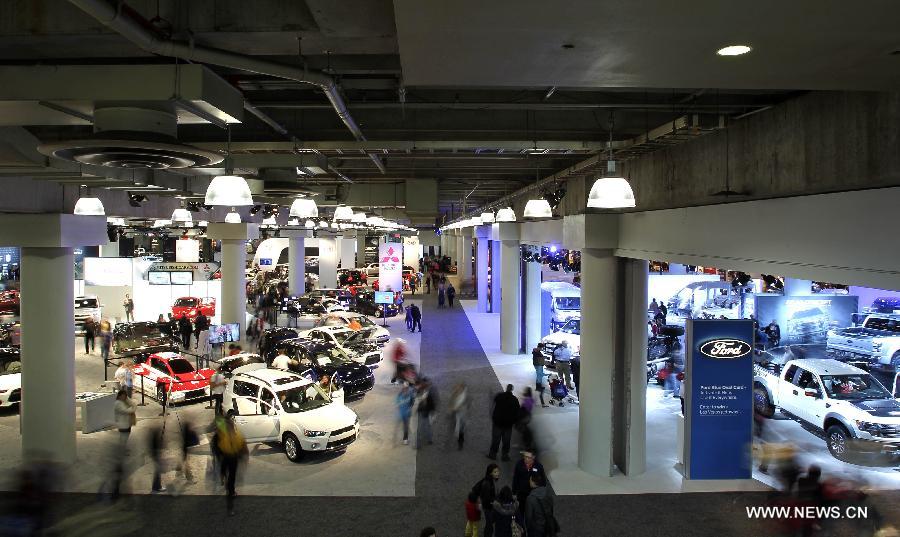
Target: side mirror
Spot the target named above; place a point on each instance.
(811, 392)
(271, 412)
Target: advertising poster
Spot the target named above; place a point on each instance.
(390, 267)
(202, 272)
(805, 319)
(719, 399)
(108, 271)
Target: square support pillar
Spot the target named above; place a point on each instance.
(464, 259)
(234, 239)
(296, 259)
(327, 263)
(482, 238)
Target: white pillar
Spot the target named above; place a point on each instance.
(234, 285)
(510, 338)
(481, 262)
(327, 263)
(451, 246)
(360, 250)
(464, 264)
(795, 287)
(348, 252)
(110, 250)
(631, 412)
(532, 305)
(598, 346)
(495, 276)
(48, 354)
(297, 265)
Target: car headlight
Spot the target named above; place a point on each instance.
(193, 312)
(877, 429)
(312, 434)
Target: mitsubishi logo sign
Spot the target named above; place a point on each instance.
(725, 348)
(391, 256)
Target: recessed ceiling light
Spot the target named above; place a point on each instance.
(733, 50)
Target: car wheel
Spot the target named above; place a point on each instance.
(762, 404)
(161, 394)
(838, 441)
(895, 361)
(292, 448)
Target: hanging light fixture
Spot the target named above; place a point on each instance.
(293, 222)
(487, 217)
(611, 191)
(269, 221)
(537, 208)
(323, 224)
(358, 218)
(375, 221)
(309, 224)
(89, 207)
(476, 221)
(343, 213)
(505, 215)
(233, 218)
(228, 191)
(304, 208)
(182, 216)
(162, 223)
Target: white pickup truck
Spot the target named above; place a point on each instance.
(846, 403)
(876, 341)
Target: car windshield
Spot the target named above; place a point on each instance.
(329, 355)
(881, 323)
(572, 326)
(10, 367)
(343, 336)
(568, 303)
(364, 321)
(180, 366)
(854, 387)
(86, 303)
(146, 330)
(186, 302)
(303, 398)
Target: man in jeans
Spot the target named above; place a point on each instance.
(217, 390)
(563, 357)
(504, 415)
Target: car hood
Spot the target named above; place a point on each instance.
(194, 376)
(329, 417)
(351, 371)
(11, 381)
(879, 408)
(556, 338)
(361, 347)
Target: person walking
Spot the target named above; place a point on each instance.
(428, 284)
(90, 335)
(473, 514)
(526, 405)
(125, 416)
(459, 407)
(504, 414)
(217, 384)
(409, 321)
(185, 329)
(189, 439)
(105, 340)
(426, 406)
(521, 484)
(540, 520)
(155, 451)
(416, 314)
(441, 294)
(563, 356)
(405, 401)
(413, 284)
(487, 492)
(504, 508)
(129, 308)
(537, 360)
(201, 323)
(231, 447)
(451, 294)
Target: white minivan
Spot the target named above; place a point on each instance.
(272, 405)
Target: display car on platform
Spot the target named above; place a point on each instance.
(570, 332)
(10, 377)
(356, 343)
(323, 358)
(169, 376)
(379, 334)
(271, 405)
(877, 341)
(365, 304)
(227, 364)
(9, 301)
(192, 306)
(343, 296)
(140, 338)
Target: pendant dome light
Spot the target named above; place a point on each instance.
(309, 224)
(323, 224)
(293, 222)
(229, 190)
(487, 217)
(89, 207)
(611, 191)
(343, 213)
(233, 218)
(304, 208)
(358, 218)
(183, 217)
(537, 208)
(505, 215)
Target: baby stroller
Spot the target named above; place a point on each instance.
(559, 395)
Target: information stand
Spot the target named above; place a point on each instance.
(384, 298)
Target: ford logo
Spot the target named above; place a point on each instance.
(725, 348)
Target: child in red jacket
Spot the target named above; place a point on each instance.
(473, 515)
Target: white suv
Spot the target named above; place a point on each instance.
(271, 405)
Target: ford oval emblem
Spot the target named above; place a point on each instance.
(725, 348)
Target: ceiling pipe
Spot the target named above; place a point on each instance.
(130, 25)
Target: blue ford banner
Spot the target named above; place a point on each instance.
(719, 399)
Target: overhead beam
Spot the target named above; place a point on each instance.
(536, 146)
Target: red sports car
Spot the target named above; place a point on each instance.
(192, 306)
(9, 301)
(166, 375)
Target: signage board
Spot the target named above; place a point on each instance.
(718, 399)
(156, 277)
(390, 266)
(265, 261)
(201, 271)
(108, 271)
(182, 278)
(384, 297)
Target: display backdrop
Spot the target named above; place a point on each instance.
(805, 319)
(719, 399)
(390, 266)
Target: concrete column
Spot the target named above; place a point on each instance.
(109, 250)
(327, 262)
(510, 334)
(532, 305)
(481, 262)
(48, 354)
(598, 349)
(297, 265)
(795, 287)
(451, 245)
(347, 252)
(464, 255)
(234, 284)
(630, 400)
(495, 276)
(360, 249)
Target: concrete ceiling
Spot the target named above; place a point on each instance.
(801, 44)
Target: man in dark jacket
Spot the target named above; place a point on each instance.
(416, 315)
(201, 323)
(504, 415)
(525, 467)
(539, 514)
(185, 329)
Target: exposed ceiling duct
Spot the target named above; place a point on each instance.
(132, 136)
(133, 27)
